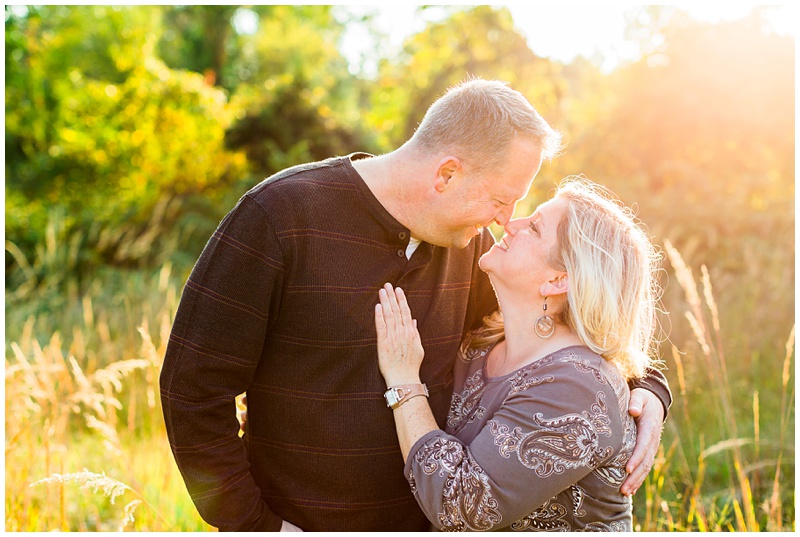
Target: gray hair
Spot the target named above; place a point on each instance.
(479, 119)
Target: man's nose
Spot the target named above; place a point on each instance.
(504, 216)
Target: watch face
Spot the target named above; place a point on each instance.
(392, 396)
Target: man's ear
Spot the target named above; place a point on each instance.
(556, 286)
(445, 170)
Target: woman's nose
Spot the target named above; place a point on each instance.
(512, 226)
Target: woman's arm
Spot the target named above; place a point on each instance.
(400, 355)
(544, 439)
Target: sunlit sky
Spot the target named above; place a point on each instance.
(558, 31)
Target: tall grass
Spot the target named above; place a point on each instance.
(86, 447)
(85, 443)
(753, 486)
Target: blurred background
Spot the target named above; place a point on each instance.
(131, 131)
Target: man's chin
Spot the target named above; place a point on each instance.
(477, 232)
(463, 241)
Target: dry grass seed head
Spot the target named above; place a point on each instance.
(85, 479)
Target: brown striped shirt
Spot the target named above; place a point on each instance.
(280, 305)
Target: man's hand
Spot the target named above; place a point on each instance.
(648, 412)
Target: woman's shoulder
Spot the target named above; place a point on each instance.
(573, 369)
(580, 361)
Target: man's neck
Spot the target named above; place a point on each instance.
(391, 179)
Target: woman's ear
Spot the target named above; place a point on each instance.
(445, 171)
(557, 286)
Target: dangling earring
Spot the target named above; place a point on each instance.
(545, 325)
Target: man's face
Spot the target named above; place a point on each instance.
(481, 201)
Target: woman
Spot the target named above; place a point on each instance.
(538, 431)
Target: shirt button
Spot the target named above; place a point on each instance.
(402, 235)
(401, 253)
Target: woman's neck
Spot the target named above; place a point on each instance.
(521, 345)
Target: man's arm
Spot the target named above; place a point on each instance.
(656, 383)
(213, 351)
(650, 401)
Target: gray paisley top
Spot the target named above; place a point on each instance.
(543, 448)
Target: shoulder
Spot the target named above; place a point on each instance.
(570, 378)
(305, 175)
(332, 174)
(311, 196)
(584, 365)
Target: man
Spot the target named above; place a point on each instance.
(280, 305)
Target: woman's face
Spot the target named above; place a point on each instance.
(521, 260)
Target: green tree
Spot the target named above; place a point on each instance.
(301, 102)
(106, 146)
(201, 38)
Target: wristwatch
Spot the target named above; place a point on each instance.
(397, 395)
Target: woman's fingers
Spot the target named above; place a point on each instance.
(390, 319)
(397, 301)
(388, 314)
(405, 311)
(380, 323)
(393, 319)
(392, 298)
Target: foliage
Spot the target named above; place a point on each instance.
(746, 464)
(300, 102)
(201, 38)
(82, 411)
(107, 151)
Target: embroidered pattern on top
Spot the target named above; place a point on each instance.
(467, 501)
(613, 473)
(524, 378)
(558, 444)
(466, 402)
(549, 517)
(617, 525)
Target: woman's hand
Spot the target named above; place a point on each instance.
(400, 350)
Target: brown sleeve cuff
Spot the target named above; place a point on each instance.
(655, 382)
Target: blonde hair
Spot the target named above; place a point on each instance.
(479, 119)
(611, 264)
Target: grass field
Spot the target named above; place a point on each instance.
(86, 447)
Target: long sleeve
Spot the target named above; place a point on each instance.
(655, 382)
(551, 432)
(214, 348)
